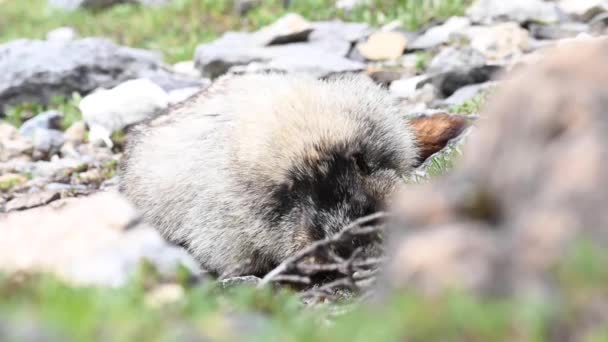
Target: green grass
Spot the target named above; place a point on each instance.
(474, 105)
(124, 314)
(179, 27)
(8, 182)
(17, 115)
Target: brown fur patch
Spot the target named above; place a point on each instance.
(434, 131)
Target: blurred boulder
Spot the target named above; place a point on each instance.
(87, 241)
(35, 71)
(529, 187)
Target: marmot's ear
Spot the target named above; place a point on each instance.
(434, 131)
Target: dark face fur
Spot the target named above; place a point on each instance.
(326, 193)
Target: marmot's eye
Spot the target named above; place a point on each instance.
(361, 164)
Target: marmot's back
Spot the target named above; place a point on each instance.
(256, 167)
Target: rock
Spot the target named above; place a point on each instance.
(583, 9)
(500, 41)
(62, 34)
(180, 95)
(529, 187)
(231, 49)
(288, 29)
(240, 281)
(107, 111)
(187, 68)
(12, 144)
(557, 31)
(385, 77)
(449, 82)
(46, 120)
(76, 133)
(441, 34)
(301, 58)
(383, 45)
(32, 200)
(467, 93)
(337, 29)
(406, 88)
(36, 71)
(521, 11)
(453, 58)
(87, 241)
(46, 142)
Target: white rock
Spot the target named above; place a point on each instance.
(488, 11)
(63, 34)
(107, 111)
(180, 95)
(407, 88)
(187, 68)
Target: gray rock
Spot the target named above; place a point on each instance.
(337, 29)
(32, 200)
(557, 31)
(35, 71)
(47, 141)
(232, 49)
(288, 29)
(46, 120)
(62, 34)
(454, 58)
(301, 58)
(489, 11)
(180, 95)
(239, 52)
(448, 83)
(467, 93)
(240, 281)
(441, 34)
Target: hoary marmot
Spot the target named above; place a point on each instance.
(256, 167)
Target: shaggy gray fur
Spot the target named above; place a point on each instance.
(256, 167)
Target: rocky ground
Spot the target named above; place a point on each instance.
(66, 103)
